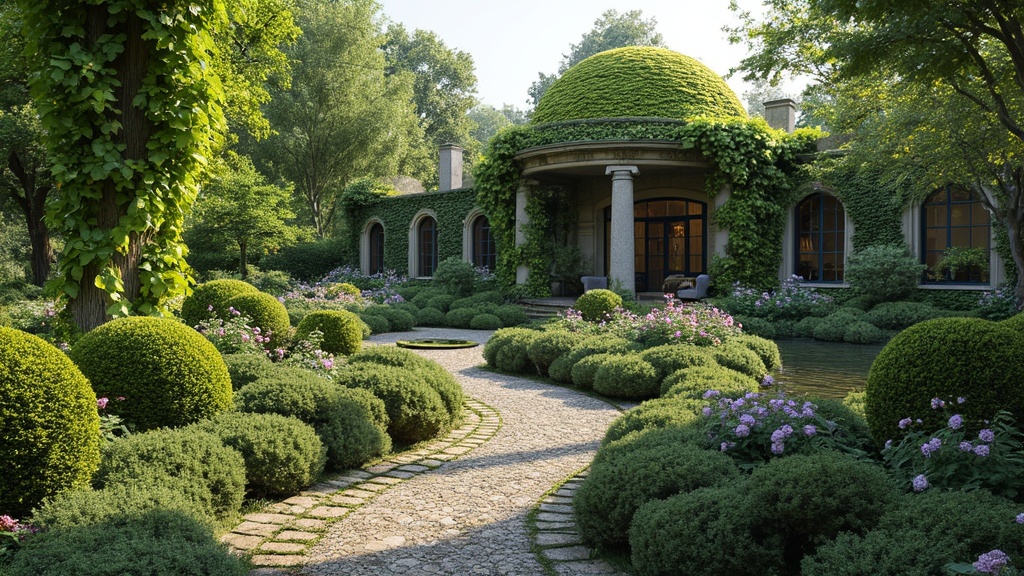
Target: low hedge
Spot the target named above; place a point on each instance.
(584, 372)
(694, 382)
(549, 345)
(511, 315)
(485, 322)
(765, 349)
(561, 369)
(378, 324)
(676, 413)
(430, 317)
(739, 357)
(626, 377)
(503, 337)
(669, 358)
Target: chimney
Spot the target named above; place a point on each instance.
(781, 114)
(449, 172)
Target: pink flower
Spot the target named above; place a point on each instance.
(101, 403)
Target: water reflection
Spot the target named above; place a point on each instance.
(824, 369)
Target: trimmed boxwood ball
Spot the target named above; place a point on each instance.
(547, 347)
(169, 374)
(635, 82)
(669, 358)
(377, 323)
(584, 372)
(514, 355)
(511, 315)
(196, 307)
(49, 425)
(433, 373)
(561, 369)
(430, 317)
(805, 327)
(706, 531)
(946, 358)
(740, 358)
(351, 424)
(425, 294)
(400, 320)
(485, 322)
(833, 327)
(630, 472)
(595, 305)
(765, 349)
(247, 368)
(694, 382)
(460, 317)
(502, 337)
(863, 333)
(196, 463)
(282, 454)
(155, 543)
(415, 410)
(342, 333)
(675, 413)
(626, 377)
(268, 313)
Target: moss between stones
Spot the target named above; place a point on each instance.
(638, 81)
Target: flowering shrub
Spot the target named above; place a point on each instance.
(111, 425)
(790, 301)
(234, 335)
(381, 287)
(12, 534)
(998, 304)
(754, 429)
(307, 354)
(992, 562)
(673, 323)
(950, 458)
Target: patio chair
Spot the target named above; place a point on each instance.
(698, 292)
(594, 282)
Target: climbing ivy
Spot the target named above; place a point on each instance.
(132, 110)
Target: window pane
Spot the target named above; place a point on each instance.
(960, 237)
(696, 208)
(657, 208)
(676, 208)
(979, 216)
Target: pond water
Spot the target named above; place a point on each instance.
(824, 369)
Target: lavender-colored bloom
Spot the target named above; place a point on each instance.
(981, 450)
(1020, 518)
(919, 483)
(987, 435)
(706, 411)
(888, 444)
(966, 446)
(992, 562)
(956, 421)
(767, 380)
(209, 308)
(960, 399)
(742, 431)
(807, 411)
(787, 430)
(931, 446)
(711, 393)
(726, 445)
(810, 430)
(904, 423)
(747, 420)
(778, 447)
(790, 412)
(938, 403)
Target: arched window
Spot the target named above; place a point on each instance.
(484, 253)
(956, 237)
(820, 238)
(426, 235)
(376, 241)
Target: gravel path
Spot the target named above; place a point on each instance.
(469, 516)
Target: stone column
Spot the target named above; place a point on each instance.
(623, 254)
(522, 220)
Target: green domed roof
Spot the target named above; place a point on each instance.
(637, 81)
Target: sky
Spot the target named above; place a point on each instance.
(512, 41)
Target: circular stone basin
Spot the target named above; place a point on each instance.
(436, 343)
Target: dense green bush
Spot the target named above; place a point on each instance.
(630, 472)
(922, 534)
(268, 313)
(442, 302)
(851, 428)
(308, 261)
(511, 315)
(282, 454)
(833, 327)
(669, 358)
(167, 372)
(485, 300)
(561, 369)
(247, 368)
(455, 276)
(378, 324)
(900, 315)
(154, 543)
(513, 355)
(1015, 322)
(765, 349)
(883, 273)
(805, 328)
(594, 305)
(549, 345)
(485, 322)
(196, 463)
(502, 337)
(215, 294)
(946, 358)
(415, 410)
(756, 326)
(626, 377)
(676, 413)
(400, 320)
(784, 330)
(351, 424)
(695, 381)
(86, 507)
(424, 294)
(584, 371)
(431, 372)
(740, 358)
(460, 317)
(342, 333)
(49, 425)
(430, 317)
(863, 333)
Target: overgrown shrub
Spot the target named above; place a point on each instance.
(378, 324)
(676, 413)
(214, 294)
(584, 371)
(247, 368)
(268, 313)
(669, 358)
(630, 472)
(342, 332)
(594, 305)
(351, 424)
(883, 273)
(946, 358)
(430, 317)
(740, 358)
(49, 424)
(282, 454)
(861, 332)
(195, 463)
(900, 315)
(167, 372)
(549, 345)
(455, 276)
(511, 315)
(86, 507)
(693, 382)
(626, 377)
(485, 322)
(431, 372)
(415, 410)
(765, 349)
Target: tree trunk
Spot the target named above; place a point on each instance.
(243, 260)
(1013, 229)
(33, 206)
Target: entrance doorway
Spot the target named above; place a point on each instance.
(669, 237)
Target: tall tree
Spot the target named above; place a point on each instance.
(611, 30)
(934, 89)
(132, 109)
(343, 117)
(488, 120)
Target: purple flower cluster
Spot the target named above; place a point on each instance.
(671, 323)
(920, 483)
(992, 562)
(932, 445)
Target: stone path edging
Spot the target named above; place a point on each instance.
(279, 535)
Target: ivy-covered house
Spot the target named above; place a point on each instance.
(640, 163)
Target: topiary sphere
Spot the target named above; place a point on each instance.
(638, 81)
(669, 358)
(378, 324)
(342, 333)
(547, 347)
(215, 293)
(740, 358)
(561, 369)
(485, 322)
(767, 350)
(268, 313)
(415, 409)
(399, 320)
(511, 315)
(675, 413)
(596, 304)
(432, 373)
(584, 371)
(501, 338)
(460, 317)
(167, 372)
(430, 317)
(693, 382)
(48, 423)
(946, 358)
(626, 377)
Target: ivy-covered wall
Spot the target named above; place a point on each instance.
(396, 214)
